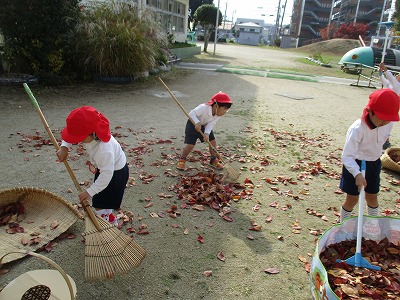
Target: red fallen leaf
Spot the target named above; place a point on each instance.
(49, 246)
(248, 181)
(227, 218)
(35, 241)
(54, 224)
(11, 230)
(207, 273)
(221, 256)
(149, 205)
(130, 229)
(143, 231)
(274, 204)
(255, 228)
(271, 271)
(198, 207)
(307, 266)
(175, 225)
(24, 241)
(302, 259)
(200, 239)
(268, 219)
(256, 207)
(249, 236)
(4, 271)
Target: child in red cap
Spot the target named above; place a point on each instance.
(391, 82)
(205, 116)
(364, 141)
(86, 125)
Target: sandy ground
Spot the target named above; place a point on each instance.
(282, 121)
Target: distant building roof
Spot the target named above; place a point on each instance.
(249, 24)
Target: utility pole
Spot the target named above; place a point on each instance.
(216, 28)
(226, 7)
(278, 15)
(283, 14)
(355, 18)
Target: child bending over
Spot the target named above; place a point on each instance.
(107, 159)
(205, 116)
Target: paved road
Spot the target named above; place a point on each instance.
(249, 60)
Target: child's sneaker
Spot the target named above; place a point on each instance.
(216, 164)
(112, 219)
(107, 215)
(181, 164)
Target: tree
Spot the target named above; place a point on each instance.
(38, 33)
(206, 15)
(328, 32)
(193, 6)
(351, 31)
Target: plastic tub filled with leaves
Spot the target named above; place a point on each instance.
(341, 270)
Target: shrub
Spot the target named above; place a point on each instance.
(111, 40)
(37, 35)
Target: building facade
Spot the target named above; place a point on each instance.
(172, 15)
(310, 16)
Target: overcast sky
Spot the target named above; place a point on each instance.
(255, 9)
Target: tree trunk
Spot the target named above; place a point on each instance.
(206, 37)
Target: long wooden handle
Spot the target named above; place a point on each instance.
(50, 262)
(86, 204)
(191, 120)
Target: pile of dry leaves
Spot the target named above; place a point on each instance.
(350, 282)
(208, 189)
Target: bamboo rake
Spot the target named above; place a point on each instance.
(231, 173)
(108, 251)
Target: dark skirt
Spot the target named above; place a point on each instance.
(111, 196)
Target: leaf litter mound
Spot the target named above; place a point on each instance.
(350, 282)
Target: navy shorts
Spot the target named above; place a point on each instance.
(191, 134)
(372, 176)
(111, 196)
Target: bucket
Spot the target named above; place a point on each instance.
(374, 228)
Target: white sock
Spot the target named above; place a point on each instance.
(373, 211)
(344, 214)
(104, 213)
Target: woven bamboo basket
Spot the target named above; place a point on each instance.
(388, 162)
(42, 209)
(40, 284)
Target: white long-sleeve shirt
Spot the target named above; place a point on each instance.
(107, 157)
(363, 143)
(390, 81)
(203, 114)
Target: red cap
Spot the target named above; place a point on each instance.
(385, 104)
(83, 121)
(220, 97)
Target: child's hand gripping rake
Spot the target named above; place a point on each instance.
(231, 173)
(357, 260)
(107, 250)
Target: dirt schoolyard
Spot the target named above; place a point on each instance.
(284, 136)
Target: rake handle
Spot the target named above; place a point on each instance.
(86, 204)
(191, 120)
